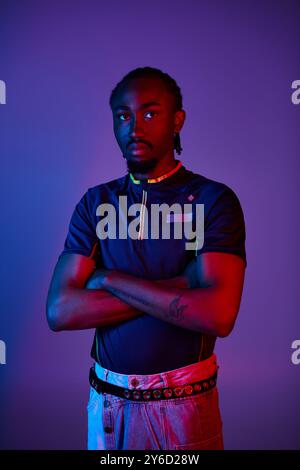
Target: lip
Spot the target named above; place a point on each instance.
(137, 145)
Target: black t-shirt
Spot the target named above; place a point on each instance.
(147, 345)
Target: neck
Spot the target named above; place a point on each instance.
(160, 170)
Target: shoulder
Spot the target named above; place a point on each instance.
(210, 191)
(112, 185)
(102, 191)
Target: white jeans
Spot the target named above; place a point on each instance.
(192, 422)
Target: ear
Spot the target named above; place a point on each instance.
(179, 120)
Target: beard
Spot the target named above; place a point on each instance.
(141, 167)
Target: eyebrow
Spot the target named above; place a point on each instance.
(144, 105)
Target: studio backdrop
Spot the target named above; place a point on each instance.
(238, 66)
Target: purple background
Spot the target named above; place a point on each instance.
(235, 62)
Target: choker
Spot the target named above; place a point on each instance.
(160, 178)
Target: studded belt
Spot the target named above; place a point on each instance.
(166, 393)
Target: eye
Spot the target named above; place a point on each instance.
(151, 112)
(123, 116)
(120, 116)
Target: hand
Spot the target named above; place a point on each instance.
(96, 280)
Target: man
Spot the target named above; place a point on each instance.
(158, 303)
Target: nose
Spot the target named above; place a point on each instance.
(135, 128)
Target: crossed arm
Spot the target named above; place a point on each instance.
(81, 297)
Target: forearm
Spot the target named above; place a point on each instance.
(93, 307)
(195, 309)
(79, 309)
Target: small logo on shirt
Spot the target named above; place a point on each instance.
(179, 217)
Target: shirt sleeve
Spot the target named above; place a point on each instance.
(82, 238)
(224, 226)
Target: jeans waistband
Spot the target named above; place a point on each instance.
(191, 373)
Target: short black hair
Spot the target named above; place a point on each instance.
(171, 85)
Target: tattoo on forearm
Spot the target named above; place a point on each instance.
(176, 310)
